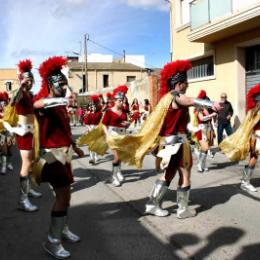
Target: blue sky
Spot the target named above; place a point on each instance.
(38, 29)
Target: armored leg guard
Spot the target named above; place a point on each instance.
(24, 202)
(119, 174)
(9, 163)
(95, 158)
(153, 206)
(91, 159)
(183, 210)
(33, 193)
(211, 154)
(68, 234)
(245, 181)
(53, 244)
(4, 164)
(202, 162)
(115, 181)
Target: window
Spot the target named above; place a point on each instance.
(105, 81)
(201, 68)
(130, 78)
(185, 11)
(253, 58)
(8, 85)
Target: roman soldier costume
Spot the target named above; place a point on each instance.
(166, 127)
(113, 122)
(92, 120)
(6, 138)
(55, 143)
(205, 132)
(24, 130)
(246, 139)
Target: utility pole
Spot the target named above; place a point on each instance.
(86, 38)
(124, 56)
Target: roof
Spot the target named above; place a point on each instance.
(105, 66)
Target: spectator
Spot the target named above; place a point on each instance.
(224, 117)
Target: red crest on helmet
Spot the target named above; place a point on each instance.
(48, 67)
(24, 66)
(250, 101)
(169, 70)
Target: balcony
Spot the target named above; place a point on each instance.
(213, 20)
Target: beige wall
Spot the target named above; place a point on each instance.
(95, 78)
(8, 75)
(229, 67)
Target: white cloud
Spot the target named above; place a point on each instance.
(158, 4)
(41, 28)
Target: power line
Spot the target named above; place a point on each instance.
(118, 53)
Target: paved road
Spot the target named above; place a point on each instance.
(112, 225)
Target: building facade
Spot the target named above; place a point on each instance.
(101, 75)
(222, 40)
(8, 80)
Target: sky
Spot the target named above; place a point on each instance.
(37, 29)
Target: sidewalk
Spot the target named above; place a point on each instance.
(227, 221)
(112, 225)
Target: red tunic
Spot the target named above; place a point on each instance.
(54, 126)
(146, 107)
(257, 127)
(25, 107)
(25, 104)
(113, 119)
(176, 121)
(96, 117)
(203, 114)
(135, 109)
(126, 108)
(88, 118)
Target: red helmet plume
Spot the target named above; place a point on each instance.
(25, 67)
(4, 96)
(109, 95)
(50, 72)
(174, 71)
(202, 94)
(94, 98)
(120, 91)
(250, 97)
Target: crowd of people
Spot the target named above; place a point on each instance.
(40, 125)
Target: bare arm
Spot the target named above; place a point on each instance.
(185, 101)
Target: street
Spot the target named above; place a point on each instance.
(111, 220)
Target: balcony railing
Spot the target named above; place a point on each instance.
(205, 11)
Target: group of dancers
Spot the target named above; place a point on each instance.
(43, 135)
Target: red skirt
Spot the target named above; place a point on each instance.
(57, 174)
(25, 142)
(183, 158)
(135, 116)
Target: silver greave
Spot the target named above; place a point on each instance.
(202, 161)
(117, 176)
(158, 192)
(53, 245)
(24, 202)
(183, 195)
(245, 181)
(4, 164)
(153, 206)
(9, 163)
(33, 193)
(56, 227)
(247, 173)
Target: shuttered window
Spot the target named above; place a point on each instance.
(202, 68)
